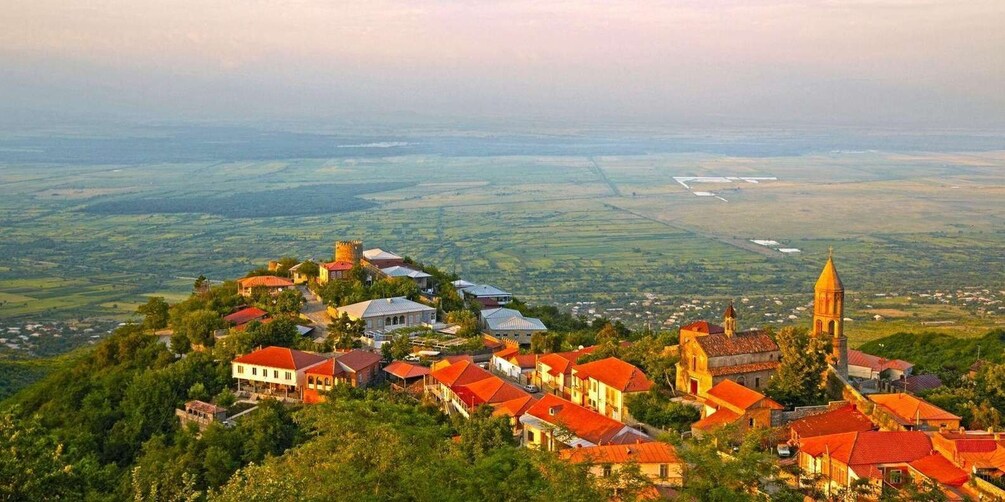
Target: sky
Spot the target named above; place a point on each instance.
(914, 64)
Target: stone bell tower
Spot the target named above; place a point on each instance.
(729, 320)
(828, 315)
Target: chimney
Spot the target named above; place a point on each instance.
(553, 410)
(628, 450)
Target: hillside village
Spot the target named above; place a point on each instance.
(371, 318)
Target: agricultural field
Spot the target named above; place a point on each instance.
(552, 224)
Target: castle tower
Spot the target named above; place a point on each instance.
(351, 251)
(729, 320)
(828, 315)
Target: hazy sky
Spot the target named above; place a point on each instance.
(916, 63)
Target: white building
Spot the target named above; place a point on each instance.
(487, 294)
(278, 371)
(388, 314)
(421, 278)
(510, 324)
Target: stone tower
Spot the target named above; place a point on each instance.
(828, 315)
(351, 251)
(729, 320)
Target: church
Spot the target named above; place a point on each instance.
(710, 354)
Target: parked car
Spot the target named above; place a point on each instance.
(784, 450)
(533, 389)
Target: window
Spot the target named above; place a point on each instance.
(289, 375)
(530, 436)
(310, 382)
(254, 371)
(694, 362)
(757, 382)
(275, 374)
(607, 471)
(387, 321)
(240, 369)
(750, 422)
(895, 477)
(664, 471)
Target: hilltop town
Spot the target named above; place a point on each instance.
(634, 409)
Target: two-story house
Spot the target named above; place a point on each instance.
(386, 315)
(553, 424)
(731, 403)
(356, 368)
(603, 386)
(276, 371)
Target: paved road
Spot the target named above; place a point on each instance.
(316, 312)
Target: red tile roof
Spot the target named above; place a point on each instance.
(936, 467)
(615, 373)
(506, 353)
(876, 363)
(870, 447)
(918, 383)
(909, 409)
(738, 397)
(327, 368)
(748, 342)
(562, 362)
(244, 327)
(844, 419)
(654, 452)
(514, 407)
(267, 281)
(280, 357)
(460, 373)
(739, 369)
(401, 369)
(704, 327)
(337, 266)
(525, 361)
(581, 422)
(489, 390)
(246, 315)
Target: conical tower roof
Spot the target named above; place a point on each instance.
(730, 312)
(829, 280)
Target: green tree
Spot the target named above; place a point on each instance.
(481, 434)
(799, 378)
(155, 313)
(309, 269)
(33, 463)
(345, 332)
(289, 303)
(655, 409)
(398, 348)
(198, 326)
(467, 320)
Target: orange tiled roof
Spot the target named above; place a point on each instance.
(581, 422)
(488, 391)
(748, 342)
(327, 368)
(655, 452)
(909, 408)
(401, 369)
(506, 353)
(525, 361)
(734, 395)
(936, 467)
(616, 373)
(246, 315)
(514, 407)
(721, 417)
(556, 362)
(845, 419)
(460, 373)
(704, 327)
(267, 281)
(739, 369)
(280, 357)
(870, 447)
(337, 266)
(244, 327)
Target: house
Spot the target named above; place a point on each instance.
(657, 460)
(487, 295)
(711, 354)
(463, 386)
(870, 367)
(380, 259)
(356, 368)
(553, 424)
(731, 403)
(275, 371)
(332, 271)
(406, 376)
(554, 371)
(202, 414)
(882, 458)
(386, 315)
(980, 452)
(510, 363)
(914, 413)
(511, 325)
(603, 386)
(421, 278)
(844, 419)
(271, 283)
(297, 276)
(246, 315)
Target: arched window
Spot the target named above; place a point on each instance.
(401, 320)
(820, 326)
(328, 381)
(387, 321)
(832, 327)
(742, 381)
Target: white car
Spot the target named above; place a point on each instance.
(784, 450)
